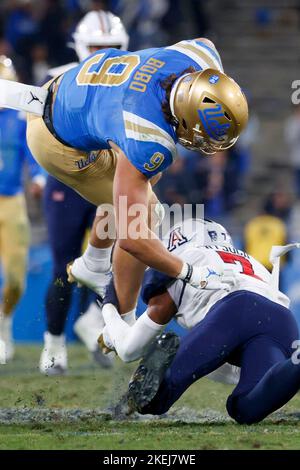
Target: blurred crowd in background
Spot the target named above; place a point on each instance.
(37, 35)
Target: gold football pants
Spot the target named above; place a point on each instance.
(14, 241)
(89, 174)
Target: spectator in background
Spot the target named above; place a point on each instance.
(279, 204)
(196, 171)
(195, 180)
(55, 26)
(174, 186)
(239, 163)
(214, 199)
(292, 140)
(21, 25)
(40, 66)
(269, 228)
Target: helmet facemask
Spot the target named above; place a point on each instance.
(99, 28)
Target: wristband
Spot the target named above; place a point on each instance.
(186, 272)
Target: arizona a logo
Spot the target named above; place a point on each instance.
(176, 239)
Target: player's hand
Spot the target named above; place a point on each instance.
(206, 277)
(230, 277)
(105, 343)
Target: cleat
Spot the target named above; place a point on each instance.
(122, 409)
(88, 327)
(78, 271)
(7, 349)
(54, 360)
(147, 378)
(71, 278)
(105, 361)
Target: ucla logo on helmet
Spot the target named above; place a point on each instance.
(209, 118)
(213, 79)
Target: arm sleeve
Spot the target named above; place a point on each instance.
(130, 342)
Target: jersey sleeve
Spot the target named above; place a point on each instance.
(146, 145)
(176, 291)
(155, 283)
(149, 159)
(201, 55)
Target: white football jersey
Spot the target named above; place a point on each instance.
(193, 304)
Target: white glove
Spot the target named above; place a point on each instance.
(205, 277)
(230, 277)
(104, 341)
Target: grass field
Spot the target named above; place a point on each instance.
(73, 412)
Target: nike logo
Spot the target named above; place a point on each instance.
(34, 98)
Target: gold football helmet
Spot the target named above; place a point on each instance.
(211, 110)
(7, 70)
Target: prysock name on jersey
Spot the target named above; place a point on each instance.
(228, 249)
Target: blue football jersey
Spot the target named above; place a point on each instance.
(117, 95)
(14, 153)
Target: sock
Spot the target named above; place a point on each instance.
(58, 301)
(97, 259)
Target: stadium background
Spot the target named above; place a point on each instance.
(258, 42)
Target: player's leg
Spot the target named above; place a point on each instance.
(14, 241)
(90, 323)
(205, 348)
(89, 174)
(269, 376)
(93, 268)
(228, 329)
(65, 217)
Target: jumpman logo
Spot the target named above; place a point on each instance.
(34, 98)
(211, 272)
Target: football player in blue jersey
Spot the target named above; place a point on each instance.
(69, 216)
(14, 226)
(110, 127)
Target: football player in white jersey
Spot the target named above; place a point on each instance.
(238, 317)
